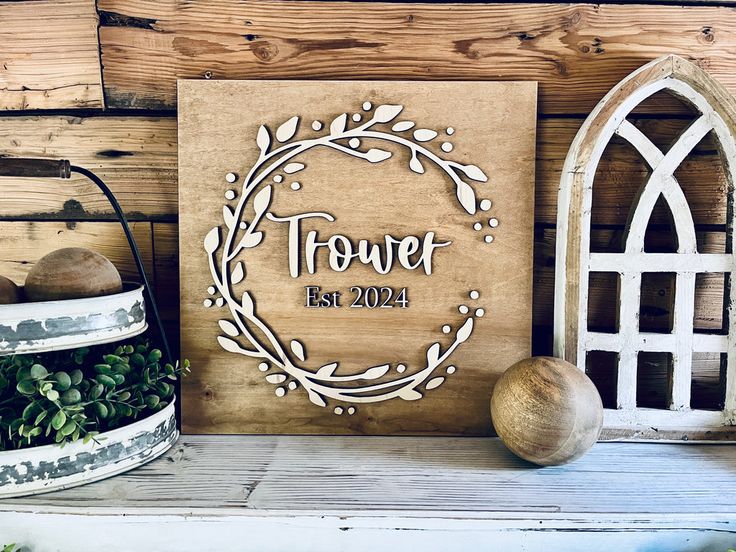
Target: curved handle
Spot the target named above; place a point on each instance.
(62, 168)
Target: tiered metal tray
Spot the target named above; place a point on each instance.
(69, 324)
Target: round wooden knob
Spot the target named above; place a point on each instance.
(546, 411)
(9, 292)
(72, 273)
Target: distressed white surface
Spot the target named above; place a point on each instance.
(370, 493)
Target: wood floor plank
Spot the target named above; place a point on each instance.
(470, 476)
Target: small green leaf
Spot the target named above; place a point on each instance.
(59, 419)
(38, 372)
(71, 396)
(137, 360)
(41, 417)
(152, 401)
(63, 381)
(107, 381)
(96, 391)
(103, 369)
(52, 395)
(76, 377)
(154, 355)
(26, 387)
(101, 410)
(68, 428)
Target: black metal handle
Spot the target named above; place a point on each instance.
(53, 168)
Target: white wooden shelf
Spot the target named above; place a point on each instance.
(265, 493)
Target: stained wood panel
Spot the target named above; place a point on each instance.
(135, 156)
(374, 193)
(577, 52)
(50, 55)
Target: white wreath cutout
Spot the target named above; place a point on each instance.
(322, 383)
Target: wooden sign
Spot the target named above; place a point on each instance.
(356, 257)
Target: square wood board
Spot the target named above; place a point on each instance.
(356, 257)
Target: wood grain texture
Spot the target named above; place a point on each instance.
(269, 494)
(577, 52)
(26, 242)
(50, 56)
(135, 156)
(365, 201)
(467, 478)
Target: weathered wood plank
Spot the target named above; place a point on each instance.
(577, 52)
(50, 56)
(23, 243)
(135, 156)
(473, 477)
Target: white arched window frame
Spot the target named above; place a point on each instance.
(573, 340)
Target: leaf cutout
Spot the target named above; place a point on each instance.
(410, 395)
(401, 126)
(416, 165)
(298, 349)
(338, 125)
(228, 344)
(238, 273)
(291, 168)
(229, 328)
(466, 196)
(316, 398)
(212, 240)
(472, 172)
(276, 378)
(262, 200)
(434, 382)
(375, 155)
(327, 370)
(287, 130)
(464, 332)
(376, 372)
(228, 216)
(247, 303)
(263, 139)
(433, 354)
(251, 240)
(424, 135)
(386, 113)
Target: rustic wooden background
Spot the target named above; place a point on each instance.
(95, 82)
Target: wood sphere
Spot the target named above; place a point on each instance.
(72, 273)
(546, 411)
(9, 292)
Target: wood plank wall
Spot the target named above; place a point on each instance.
(95, 82)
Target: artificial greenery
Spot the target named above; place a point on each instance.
(64, 396)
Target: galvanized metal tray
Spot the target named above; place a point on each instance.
(48, 468)
(56, 325)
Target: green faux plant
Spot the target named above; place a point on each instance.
(64, 396)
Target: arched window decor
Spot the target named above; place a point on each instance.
(573, 340)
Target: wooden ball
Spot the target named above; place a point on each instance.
(9, 292)
(546, 411)
(72, 273)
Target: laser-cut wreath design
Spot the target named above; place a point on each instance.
(323, 383)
